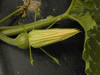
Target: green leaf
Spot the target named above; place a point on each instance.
(89, 20)
(89, 4)
(85, 20)
(82, 6)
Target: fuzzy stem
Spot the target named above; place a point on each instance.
(1, 21)
(56, 60)
(22, 8)
(8, 27)
(71, 6)
(7, 39)
(30, 26)
(38, 24)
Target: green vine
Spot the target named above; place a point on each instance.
(81, 11)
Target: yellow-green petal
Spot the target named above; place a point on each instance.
(40, 38)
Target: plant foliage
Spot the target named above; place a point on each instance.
(86, 12)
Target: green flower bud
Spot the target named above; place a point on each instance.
(40, 38)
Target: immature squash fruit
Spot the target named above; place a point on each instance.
(22, 41)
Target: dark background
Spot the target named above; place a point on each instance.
(16, 61)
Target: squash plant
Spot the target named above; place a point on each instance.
(85, 12)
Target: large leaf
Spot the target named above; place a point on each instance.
(89, 20)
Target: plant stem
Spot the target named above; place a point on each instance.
(56, 60)
(8, 27)
(30, 26)
(71, 6)
(1, 21)
(7, 39)
(22, 8)
(38, 24)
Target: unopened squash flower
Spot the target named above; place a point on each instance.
(40, 38)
